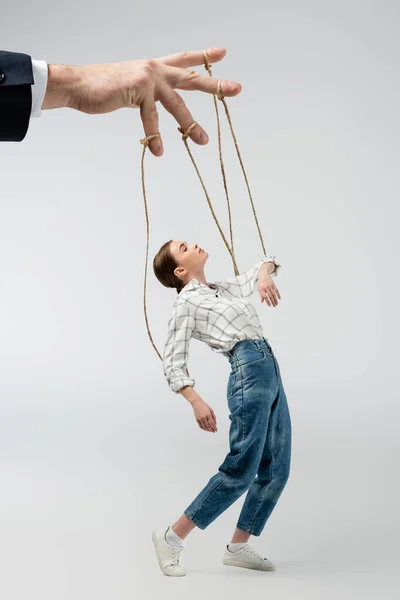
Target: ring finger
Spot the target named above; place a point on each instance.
(276, 294)
(149, 115)
(208, 425)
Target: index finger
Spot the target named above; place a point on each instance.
(192, 58)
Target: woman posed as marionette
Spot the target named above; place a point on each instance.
(222, 315)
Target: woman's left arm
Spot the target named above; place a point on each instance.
(245, 284)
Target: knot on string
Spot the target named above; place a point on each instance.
(207, 63)
(207, 66)
(145, 141)
(219, 93)
(185, 134)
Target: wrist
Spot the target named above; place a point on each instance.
(267, 267)
(61, 82)
(190, 394)
(195, 400)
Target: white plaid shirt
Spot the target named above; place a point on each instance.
(220, 315)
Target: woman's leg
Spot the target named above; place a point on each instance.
(183, 526)
(273, 470)
(251, 393)
(240, 536)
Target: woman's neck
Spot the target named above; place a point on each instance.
(200, 277)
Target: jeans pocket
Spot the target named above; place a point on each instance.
(250, 356)
(231, 384)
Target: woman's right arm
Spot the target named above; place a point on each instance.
(176, 349)
(176, 353)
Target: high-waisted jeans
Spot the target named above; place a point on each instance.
(260, 442)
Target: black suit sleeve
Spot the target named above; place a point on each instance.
(16, 79)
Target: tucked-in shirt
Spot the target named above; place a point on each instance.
(219, 314)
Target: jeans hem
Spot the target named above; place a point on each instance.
(195, 520)
(248, 530)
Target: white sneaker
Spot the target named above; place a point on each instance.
(167, 555)
(248, 558)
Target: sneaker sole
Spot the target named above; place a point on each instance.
(154, 539)
(234, 563)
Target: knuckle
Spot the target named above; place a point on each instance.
(153, 114)
(151, 63)
(144, 77)
(179, 101)
(193, 74)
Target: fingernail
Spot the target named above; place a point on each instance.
(203, 136)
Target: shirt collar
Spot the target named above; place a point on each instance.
(195, 284)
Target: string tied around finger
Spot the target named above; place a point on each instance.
(207, 63)
(145, 141)
(186, 134)
(207, 66)
(219, 93)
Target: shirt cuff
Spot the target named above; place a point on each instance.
(273, 259)
(40, 75)
(176, 384)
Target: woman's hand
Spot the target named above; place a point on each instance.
(103, 88)
(204, 415)
(267, 289)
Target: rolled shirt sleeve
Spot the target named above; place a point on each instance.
(245, 284)
(176, 350)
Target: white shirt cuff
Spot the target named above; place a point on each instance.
(271, 258)
(40, 75)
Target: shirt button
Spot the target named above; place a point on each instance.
(2, 76)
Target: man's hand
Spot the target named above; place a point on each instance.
(204, 415)
(267, 289)
(103, 88)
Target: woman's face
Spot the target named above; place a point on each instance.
(190, 257)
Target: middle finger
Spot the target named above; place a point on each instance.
(184, 79)
(206, 425)
(273, 297)
(174, 104)
(276, 294)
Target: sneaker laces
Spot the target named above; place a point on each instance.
(176, 551)
(251, 550)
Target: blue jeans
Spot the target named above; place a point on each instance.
(260, 442)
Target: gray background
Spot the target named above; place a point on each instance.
(95, 449)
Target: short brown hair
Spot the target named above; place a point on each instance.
(164, 265)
